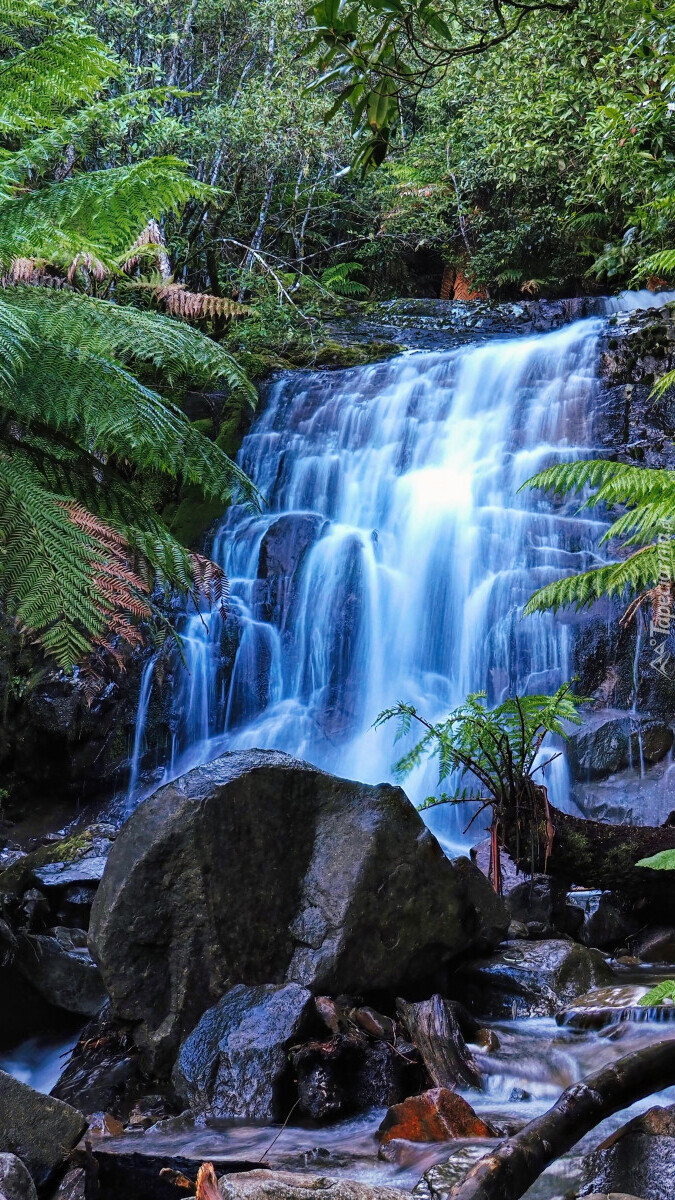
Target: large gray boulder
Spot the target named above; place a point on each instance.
(258, 868)
(235, 1061)
(15, 1180)
(40, 1130)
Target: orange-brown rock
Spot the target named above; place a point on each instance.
(434, 1116)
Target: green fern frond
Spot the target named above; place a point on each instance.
(99, 213)
(660, 263)
(648, 495)
(60, 72)
(634, 575)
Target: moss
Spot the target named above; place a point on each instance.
(203, 425)
(337, 355)
(16, 878)
(193, 515)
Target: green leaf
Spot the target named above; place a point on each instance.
(663, 861)
(663, 991)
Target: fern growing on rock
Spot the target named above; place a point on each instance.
(495, 754)
(80, 416)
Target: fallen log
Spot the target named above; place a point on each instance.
(593, 854)
(513, 1167)
(434, 1028)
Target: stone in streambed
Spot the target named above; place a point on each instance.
(73, 1186)
(289, 1185)
(40, 1130)
(638, 1159)
(350, 1074)
(235, 1061)
(103, 1072)
(605, 1006)
(436, 1116)
(257, 868)
(530, 979)
(15, 1179)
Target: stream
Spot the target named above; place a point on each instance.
(537, 1059)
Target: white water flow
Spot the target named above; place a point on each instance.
(394, 557)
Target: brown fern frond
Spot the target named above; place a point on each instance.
(195, 306)
(92, 265)
(210, 580)
(32, 271)
(121, 595)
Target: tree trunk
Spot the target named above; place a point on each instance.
(435, 1030)
(514, 1166)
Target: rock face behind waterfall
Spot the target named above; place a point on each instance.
(258, 868)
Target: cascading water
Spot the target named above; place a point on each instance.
(394, 555)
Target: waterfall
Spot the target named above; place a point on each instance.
(394, 556)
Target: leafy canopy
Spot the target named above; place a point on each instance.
(374, 52)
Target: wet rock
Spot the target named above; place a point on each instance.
(604, 1006)
(282, 552)
(374, 1023)
(79, 858)
(75, 905)
(288, 1185)
(86, 870)
(235, 1062)
(614, 744)
(639, 1158)
(63, 973)
(540, 899)
(439, 1180)
(530, 978)
(610, 924)
(435, 1116)
(350, 1074)
(258, 868)
(33, 912)
(15, 1179)
(103, 1124)
(38, 1129)
(654, 945)
(73, 1186)
(103, 1073)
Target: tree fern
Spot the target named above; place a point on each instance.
(649, 496)
(80, 550)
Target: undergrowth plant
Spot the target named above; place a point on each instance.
(496, 758)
